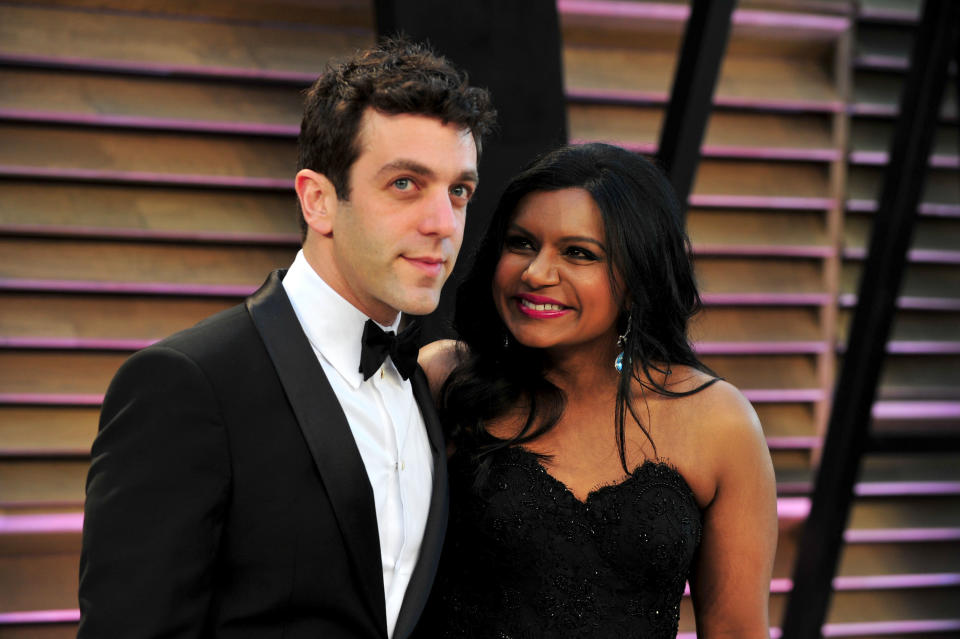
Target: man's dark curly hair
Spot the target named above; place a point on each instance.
(398, 76)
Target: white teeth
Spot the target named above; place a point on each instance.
(541, 307)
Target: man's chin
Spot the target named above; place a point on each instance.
(423, 304)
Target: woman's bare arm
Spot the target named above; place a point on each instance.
(731, 583)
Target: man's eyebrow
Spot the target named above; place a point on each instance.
(407, 165)
(415, 167)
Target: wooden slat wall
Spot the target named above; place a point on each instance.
(145, 172)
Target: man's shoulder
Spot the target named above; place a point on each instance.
(221, 331)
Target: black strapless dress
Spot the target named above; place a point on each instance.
(526, 559)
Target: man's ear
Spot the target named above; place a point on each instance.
(318, 200)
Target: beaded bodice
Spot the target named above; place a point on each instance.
(525, 558)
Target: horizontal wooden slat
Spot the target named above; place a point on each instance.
(882, 605)
(41, 430)
(781, 179)
(913, 325)
(903, 12)
(343, 13)
(760, 324)
(786, 420)
(57, 371)
(882, 89)
(872, 136)
(915, 467)
(66, 208)
(746, 80)
(728, 132)
(139, 262)
(891, 558)
(756, 228)
(55, 147)
(929, 233)
(36, 582)
(920, 280)
(720, 274)
(153, 39)
(940, 185)
(42, 483)
(94, 97)
(24, 315)
(770, 371)
(45, 631)
(905, 512)
(921, 376)
(890, 41)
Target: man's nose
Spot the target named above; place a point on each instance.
(440, 216)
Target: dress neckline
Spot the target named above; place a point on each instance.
(636, 475)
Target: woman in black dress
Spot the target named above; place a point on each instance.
(597, 464)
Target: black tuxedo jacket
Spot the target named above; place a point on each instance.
(227, 498)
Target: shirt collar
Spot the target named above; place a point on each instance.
(333, 325)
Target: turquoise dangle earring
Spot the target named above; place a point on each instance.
(622, 345)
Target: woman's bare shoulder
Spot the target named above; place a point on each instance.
(438, 359)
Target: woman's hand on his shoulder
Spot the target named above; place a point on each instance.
(438, 359)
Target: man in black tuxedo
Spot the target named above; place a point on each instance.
(261, 474)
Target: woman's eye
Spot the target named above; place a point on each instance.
(517, 242)
(581, 253)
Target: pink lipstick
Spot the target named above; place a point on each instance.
(539, 307)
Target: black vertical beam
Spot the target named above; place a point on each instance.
(704, 44)
(513, 48)
(849, 426)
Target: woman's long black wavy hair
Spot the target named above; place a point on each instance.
(649, 254)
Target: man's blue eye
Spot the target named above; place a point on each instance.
(403, 183)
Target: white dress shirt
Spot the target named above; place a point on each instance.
(385, 421)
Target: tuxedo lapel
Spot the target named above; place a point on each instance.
(327, 433)
(418, 590)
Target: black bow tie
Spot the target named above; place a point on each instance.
(377, 344)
